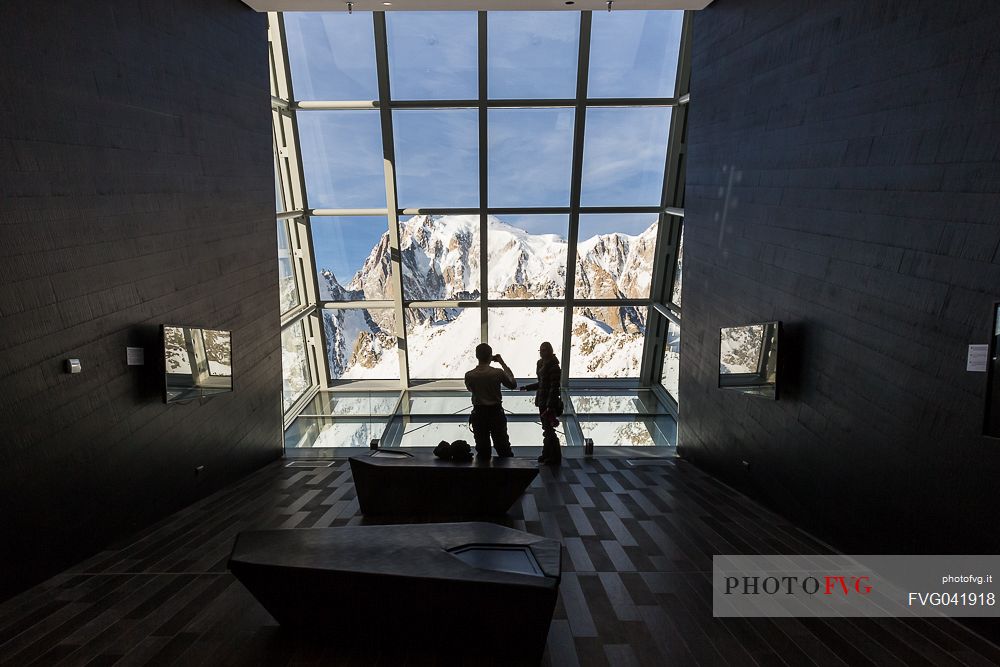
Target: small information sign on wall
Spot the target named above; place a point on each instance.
(135, 356)
(978, 357)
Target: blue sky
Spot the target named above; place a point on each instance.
(434, 56)
(532, 54)
(342, 243)
(437, 157)
(530, 156)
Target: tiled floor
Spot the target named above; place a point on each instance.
(635, 588)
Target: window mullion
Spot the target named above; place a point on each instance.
(583, 68)
(391, 204)
(484, 274)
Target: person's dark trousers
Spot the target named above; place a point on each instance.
(551, 453)
(489, 421)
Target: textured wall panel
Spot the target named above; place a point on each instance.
(843, 177)
(136, 190)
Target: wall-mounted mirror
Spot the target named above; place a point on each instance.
(992, 427)
(748, 359)
(197, 363)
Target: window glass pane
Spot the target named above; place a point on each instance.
(440, 256)
(433, 55)
(437, 158)
(516, 334)
(442, 341)
(527, 256)
(675, 296)
(296, 377)
(671, 360)
(342, 158)
(332, 55)
(607, 341)
(634, 54)
(532, 54)
(280, 164)
(278, 206)
(283, 131)
(288, 293)
(273, 87)
(361, 344)
(635, 432)
(624, 153)
(352, 257)
(530, 156)
(615, 256)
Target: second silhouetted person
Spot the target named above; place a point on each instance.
(548, 401)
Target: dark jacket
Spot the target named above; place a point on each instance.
(547, 388)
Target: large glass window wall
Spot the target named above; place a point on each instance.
(450, 178)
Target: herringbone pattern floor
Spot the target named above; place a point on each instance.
(635, 589)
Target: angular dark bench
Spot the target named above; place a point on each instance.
(444, 589)
(405, 484)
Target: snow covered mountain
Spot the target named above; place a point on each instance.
(616, 266)
(440, 257)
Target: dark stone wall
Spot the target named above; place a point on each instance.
(137, 190)
(843, 177)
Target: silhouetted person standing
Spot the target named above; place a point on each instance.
(548, 401)
(488, 420)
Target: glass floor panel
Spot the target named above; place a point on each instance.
(659, 431)
(520, 403)
(308, 432)
(342, 403)
(460, 403)
(610, 417)
(617, 402)
(436, 404)
(404, 432)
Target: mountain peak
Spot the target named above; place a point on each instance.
(440, 255)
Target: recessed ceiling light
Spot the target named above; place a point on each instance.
(387, 4)
(570, 2)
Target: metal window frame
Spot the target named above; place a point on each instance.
(527, 103)
(670, 210)
(297, 228)
(669, 235)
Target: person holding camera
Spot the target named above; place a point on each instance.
(548, 400)
(488, 419)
